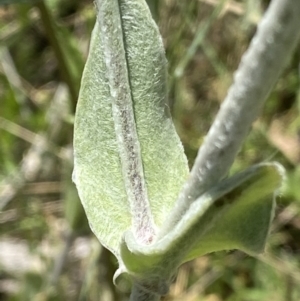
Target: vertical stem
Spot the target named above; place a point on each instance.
(139, 294)
(49, 27)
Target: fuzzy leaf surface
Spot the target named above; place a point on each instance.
(235, 214)
(99, 175)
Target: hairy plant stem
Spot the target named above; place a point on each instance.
(276, 38)
(139, 294)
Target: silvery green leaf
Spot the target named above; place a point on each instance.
(129, 161)
(235, 214)
(246, 224)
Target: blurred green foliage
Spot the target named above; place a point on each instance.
(47, 251)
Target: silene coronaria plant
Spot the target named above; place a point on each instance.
(141, 200)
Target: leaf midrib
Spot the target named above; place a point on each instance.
(118, 74)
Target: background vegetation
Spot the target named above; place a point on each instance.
(47, 251)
